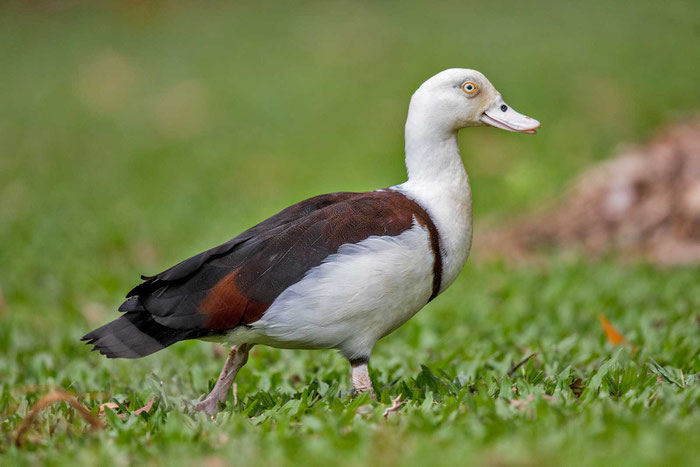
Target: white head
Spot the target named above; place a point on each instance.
(459, 98)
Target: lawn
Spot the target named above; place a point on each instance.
(135, 135)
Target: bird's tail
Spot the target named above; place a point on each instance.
(135, 334)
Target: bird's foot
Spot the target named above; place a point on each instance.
(210, 404)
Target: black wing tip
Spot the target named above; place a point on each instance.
(107, 353)
(93, 340)
(95, 345)
(112, 353)
(134, 335)
(90, 336)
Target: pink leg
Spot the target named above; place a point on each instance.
(236, 359)
(360, 379)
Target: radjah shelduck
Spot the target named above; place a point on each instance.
(337, 271)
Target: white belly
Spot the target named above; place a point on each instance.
(355, 297)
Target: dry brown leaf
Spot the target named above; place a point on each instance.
(57, 395)
(109, 405)
(146, 408)
(114, 406)
(614, 337)
(395, 405)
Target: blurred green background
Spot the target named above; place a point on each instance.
(135, 134)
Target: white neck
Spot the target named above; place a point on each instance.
(438, 182)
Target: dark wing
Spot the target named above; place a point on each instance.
(234, 283)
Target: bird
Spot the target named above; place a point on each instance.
(336, 271)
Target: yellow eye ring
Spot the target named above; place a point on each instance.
(470, 87)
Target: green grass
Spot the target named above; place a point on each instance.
(134, 136)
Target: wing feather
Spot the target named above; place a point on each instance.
(234, 283)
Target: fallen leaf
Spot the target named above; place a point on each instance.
(146, 407)
(57, 395)
(109, 405)
(395, 405)
(114, 406)
(614, 337)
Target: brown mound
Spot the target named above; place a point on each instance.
(644, 202)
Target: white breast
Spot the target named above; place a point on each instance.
(355, 297)
(449, 205)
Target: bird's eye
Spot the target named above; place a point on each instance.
(470, 87)
(504, 108)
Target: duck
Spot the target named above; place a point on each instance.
(336, 271)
